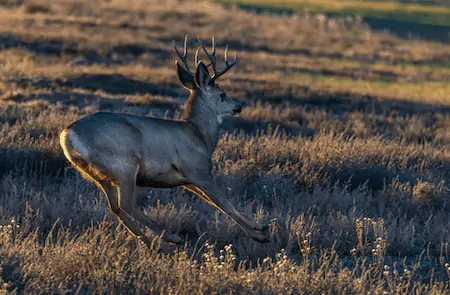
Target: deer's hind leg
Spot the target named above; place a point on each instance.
(111, 193)
(126, 186)
(118, 186)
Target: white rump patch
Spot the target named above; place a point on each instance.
(77, 144)
(219, 119)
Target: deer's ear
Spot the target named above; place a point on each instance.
(186, 78)
(202, 77)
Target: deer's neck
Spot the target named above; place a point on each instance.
(205, 121)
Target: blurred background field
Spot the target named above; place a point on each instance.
(344, 139)
(420, 12)
(427, 19)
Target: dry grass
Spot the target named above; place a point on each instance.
(356, 174)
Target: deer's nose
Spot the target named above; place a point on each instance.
(237, 109)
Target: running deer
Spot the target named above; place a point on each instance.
(121, 151)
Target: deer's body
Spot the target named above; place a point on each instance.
(120, 151)
(161, 148)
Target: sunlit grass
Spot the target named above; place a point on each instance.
(342, 143)
(429, 92)
(392, 10)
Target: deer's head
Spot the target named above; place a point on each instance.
(202, 85)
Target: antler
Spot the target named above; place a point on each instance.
(212, 58)
(185, 54)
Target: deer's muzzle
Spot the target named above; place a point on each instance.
(237, 110)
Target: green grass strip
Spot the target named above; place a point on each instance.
(416, 13)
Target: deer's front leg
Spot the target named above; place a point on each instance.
(208, 190)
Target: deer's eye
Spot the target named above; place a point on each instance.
(222, 96)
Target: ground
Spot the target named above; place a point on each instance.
(342, 145)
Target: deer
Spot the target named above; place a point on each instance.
(119, 151)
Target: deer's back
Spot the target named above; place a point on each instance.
(155, 142)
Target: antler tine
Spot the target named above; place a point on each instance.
(185, 53)
(228, 65)
(211, 56)
(196, 57)
(185, 50)
(213, 42)
(197, 52)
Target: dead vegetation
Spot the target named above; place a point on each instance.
(355, 177)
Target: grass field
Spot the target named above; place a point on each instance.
(343, 139)
(432, 14)
(428, 20)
